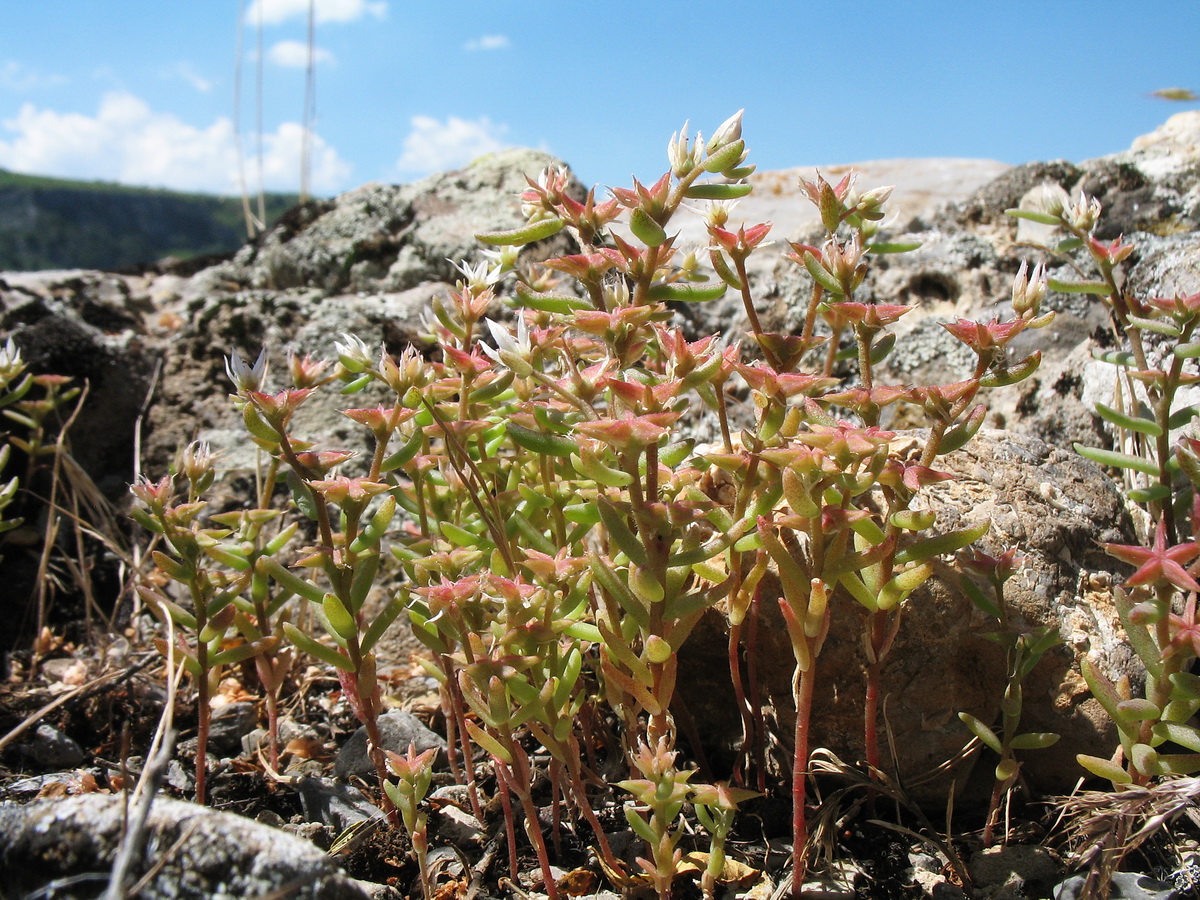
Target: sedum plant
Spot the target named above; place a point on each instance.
(414, 772)
(1160, 467)
(212, 570)
(1023, 649)
(558, 533)
(1158, 460)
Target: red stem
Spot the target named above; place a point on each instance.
(876, 624)
(204, 716)
(803, 690)
(739, 693)
(756, 706)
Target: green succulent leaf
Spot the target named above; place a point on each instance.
(620, 533)
(1166, 327)
(1151, 494)
(1182, 417)
(459, 536)
(485, 740)
(1034, 740)
(1187, 351)
(1115, 357)
(618, 589)
(982, 731)
(1102, 689)
(1034, 216)
(1117, 460)
(1185, 686)
(289, 580)
(687, 292)
(234, 655)
(1104, 768)
(1139, 637)
(893, 246)
(316, 649)
(640, 826)
(1186, 736)
(386, 616)
(340, 619)
(1099, 288)
(540, 442)
(942, 544)
(1128, 422)
(526, 234)
(1145, 760)
(645, 229)
(706, 191)
(552, 303)
(979, 598)
(1179, 763)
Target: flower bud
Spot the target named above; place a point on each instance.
(681, 156)
(1083, 213)
(11, 364)
(353, 353)
(730, 131)
(1028, 293)
(246, 377)
(870, 204)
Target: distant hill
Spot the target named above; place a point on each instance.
(55, 223)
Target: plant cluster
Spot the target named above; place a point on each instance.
(1156, 345)
(558, 539)
(50, 510)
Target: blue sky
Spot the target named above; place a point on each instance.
(142, 92)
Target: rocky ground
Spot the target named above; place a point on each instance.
(78, 717)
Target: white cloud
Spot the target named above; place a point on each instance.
(16, 76)
(488, 42)
(294, 54)
(434, 146)
(276, 11)
(126, 141)
(191, 76)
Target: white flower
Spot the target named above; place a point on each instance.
(1083, 213)
(1028, 292)
(681, 156)
(504, 259)
(512, 352)
(714, 212)
(246, 377)
(353, 353)
(11, 364)
(730, 131)
(479, 277)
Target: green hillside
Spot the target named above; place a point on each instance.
(54, 223)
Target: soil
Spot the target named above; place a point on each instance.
(112, 713)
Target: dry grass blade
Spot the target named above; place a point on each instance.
(840, 804)
(1100, 825)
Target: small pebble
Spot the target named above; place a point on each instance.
(329, 803)
(230, 723)
(49, 748)
(1125, 886)
(398, 729)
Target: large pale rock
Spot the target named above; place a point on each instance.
(390, 237)
(190, 853)
(1050, 504)
(368, 263)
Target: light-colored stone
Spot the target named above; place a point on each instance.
(195, 853)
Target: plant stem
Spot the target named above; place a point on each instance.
(802, 690)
